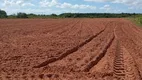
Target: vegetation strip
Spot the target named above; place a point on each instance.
(3, 14)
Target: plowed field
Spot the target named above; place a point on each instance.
(70, 49)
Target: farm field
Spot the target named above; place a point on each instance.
(70, 49)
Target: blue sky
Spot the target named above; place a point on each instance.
(73, 6)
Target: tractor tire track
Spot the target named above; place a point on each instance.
(135, 50)
(119, 70)
(124, 65)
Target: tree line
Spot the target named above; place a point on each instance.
(3, 14)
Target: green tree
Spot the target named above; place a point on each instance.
(54, 15)
(22, 15)
(3, 14)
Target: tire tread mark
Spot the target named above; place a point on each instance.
(118, 68)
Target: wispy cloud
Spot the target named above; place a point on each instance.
(106, 7)
(61, 6)
(7, 3)
(130, 3)
(55, 3)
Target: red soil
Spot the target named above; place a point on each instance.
(70, 49)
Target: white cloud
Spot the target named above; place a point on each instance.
(37, 11)
(7, 3)
(54, 3)
(12, 3)
(106, 7)
(28, 4)
(47, 3)
(19, 2)
(131, 3)
(76, 6)
(98, 0)
(64, 5)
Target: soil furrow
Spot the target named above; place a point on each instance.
(67, 52)
(132, 72)
(70, 49)
(100, 55)
(67, 29)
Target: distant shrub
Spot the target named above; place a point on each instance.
(12, 16)
(3, 14)
(54, 15)
(22, 15)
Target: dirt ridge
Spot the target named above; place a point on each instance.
(67, 52)
(99, 56)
